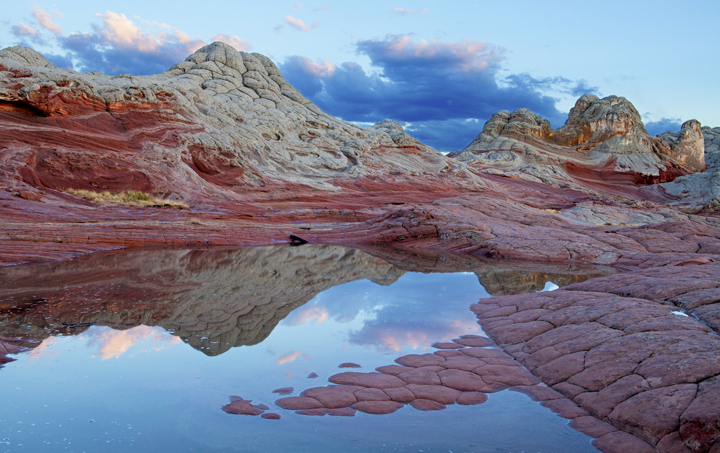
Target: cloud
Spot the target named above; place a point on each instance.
(663, 125)
(291, 357)
(299, 24)
(308, 313)
(431, 84)
(45, 20)
(406, 12)
(238, 43)
(297, 6)
(114, 343)
(122, 33)
(118, 45)
(23, 30)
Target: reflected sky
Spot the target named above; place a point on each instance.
(421, 309)
(142, 389)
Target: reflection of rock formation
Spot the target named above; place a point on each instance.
(212, 299)
(505, 279)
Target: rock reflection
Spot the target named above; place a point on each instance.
(508, 279)
(217, 299)
(212, 299)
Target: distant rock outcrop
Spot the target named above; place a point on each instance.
(697, 190)
(601, 141)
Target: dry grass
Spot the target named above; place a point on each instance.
(552, 211)
(131, 198)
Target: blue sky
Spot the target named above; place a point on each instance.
(439, 70)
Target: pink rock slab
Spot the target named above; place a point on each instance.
(474, 341)
(242, 407)
(427, 405)
(377, 407)
(349, 365)
(443, 345)
(295, 403)
(471, 398)
(418, 360)
(284, 390)
(332, 397)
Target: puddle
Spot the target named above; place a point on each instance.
(142, 349)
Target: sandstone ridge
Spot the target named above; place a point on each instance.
(602, 142)
(219, 124)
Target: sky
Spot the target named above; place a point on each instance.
(440, 69)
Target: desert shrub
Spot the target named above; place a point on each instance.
(134, 198)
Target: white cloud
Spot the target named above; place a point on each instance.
(406, 12)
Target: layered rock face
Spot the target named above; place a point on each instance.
(207, 131)
(602, 141)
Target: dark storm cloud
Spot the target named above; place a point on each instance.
(435, 86)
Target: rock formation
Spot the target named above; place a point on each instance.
(210, 129)
(602, 141)
(256, 162)
(697, 190)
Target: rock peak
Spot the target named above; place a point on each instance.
(601, 135)
(24, 56)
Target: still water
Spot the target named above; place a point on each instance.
(139, 351)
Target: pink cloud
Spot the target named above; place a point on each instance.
(291, 357)
(299, 24)
(309, 313)
(114, 343)
(235, 41)
(45, 20)
(24, 30)
(122, 33)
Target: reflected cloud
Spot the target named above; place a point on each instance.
(395, 335)
(407, 315)
(44, 349)
(291, 357)
(114, 343)
(308, 313)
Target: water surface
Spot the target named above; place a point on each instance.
(140, 350)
